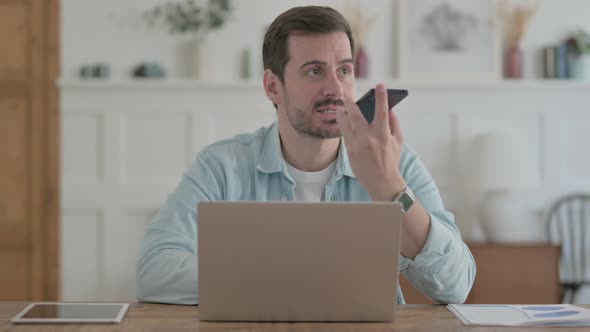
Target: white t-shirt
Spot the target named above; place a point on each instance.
(310, 186)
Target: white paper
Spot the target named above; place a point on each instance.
(521, 315)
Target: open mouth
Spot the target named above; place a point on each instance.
(328, 106)
(327, 111)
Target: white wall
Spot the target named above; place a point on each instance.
(117, 171)
(126, 144)
(113, 31)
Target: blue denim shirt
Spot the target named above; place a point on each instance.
(251, 167)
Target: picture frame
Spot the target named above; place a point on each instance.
(448, 40)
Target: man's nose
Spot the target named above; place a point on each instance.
(333, 86)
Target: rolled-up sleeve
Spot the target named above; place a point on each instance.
(445, 269)
(167, 263)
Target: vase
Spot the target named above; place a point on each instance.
(245, 70)
(514, 63)
(580, 67)
(200, 66)
(504, 219)
(361, 63)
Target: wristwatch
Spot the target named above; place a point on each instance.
(405, 198)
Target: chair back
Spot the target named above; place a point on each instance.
(568, 224)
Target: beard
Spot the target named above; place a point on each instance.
(301, 121)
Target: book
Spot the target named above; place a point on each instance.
(549, 61)
(521, 315)
(561, 62)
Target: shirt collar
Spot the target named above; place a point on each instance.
(343, 164)
(271, 155)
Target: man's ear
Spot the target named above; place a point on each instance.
(272, 86)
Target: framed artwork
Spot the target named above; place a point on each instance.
(448, 40)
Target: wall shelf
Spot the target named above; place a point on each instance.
(175, 83)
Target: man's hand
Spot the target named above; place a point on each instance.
(374, 149)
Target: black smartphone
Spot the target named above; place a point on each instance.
(367, 102)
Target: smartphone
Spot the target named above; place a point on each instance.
(367, 102)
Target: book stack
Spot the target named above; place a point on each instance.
(556, 62)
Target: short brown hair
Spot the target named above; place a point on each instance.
(307, 19)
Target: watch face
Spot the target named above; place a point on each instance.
(406, 201)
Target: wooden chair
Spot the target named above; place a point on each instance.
(568, 224)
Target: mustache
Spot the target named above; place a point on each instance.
(329, 101)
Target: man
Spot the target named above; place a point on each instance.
(321, 148)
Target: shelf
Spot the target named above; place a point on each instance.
(176, 83)
(156, 83)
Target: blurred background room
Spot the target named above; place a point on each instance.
(104, 104)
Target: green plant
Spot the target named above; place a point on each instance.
(187, 16)
(579, 43)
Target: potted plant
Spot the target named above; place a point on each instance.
(361, 25)
(516, 21)
(578, 46)
(188, 17)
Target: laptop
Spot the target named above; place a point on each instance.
(298, 261)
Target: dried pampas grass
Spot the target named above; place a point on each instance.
(360, 22)
(516, 20)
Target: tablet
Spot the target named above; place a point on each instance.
(60, 312)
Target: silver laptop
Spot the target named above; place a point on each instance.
(296, 261)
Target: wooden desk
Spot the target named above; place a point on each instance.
(157, 317)
(508, 274)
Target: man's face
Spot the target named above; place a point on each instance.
(317, 78)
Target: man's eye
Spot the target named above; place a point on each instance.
(313, 72)
(345, 71)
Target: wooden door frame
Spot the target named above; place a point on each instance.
(53, 154)
(46, 151)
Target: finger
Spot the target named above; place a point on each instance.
(355, 116)
(380, 121)
(396, 128)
